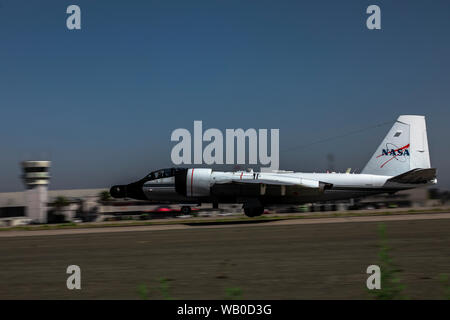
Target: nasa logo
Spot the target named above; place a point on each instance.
(394, 152)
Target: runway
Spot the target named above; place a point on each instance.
(246, 224)
(288, 259)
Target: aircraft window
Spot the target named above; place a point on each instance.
(164, 173)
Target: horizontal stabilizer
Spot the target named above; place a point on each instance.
(415, 176)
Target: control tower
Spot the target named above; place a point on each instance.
(36, 178)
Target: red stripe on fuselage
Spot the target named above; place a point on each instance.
(192, 180)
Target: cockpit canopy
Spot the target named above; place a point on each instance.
(163, 173)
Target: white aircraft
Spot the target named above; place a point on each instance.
(401, 162)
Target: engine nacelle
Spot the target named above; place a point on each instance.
(195, 182)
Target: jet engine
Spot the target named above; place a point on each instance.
(194, 182)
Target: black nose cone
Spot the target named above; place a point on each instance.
(134, 190)
(118, 191)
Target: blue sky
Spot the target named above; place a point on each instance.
(101, 102)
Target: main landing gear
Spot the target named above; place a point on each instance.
(253, 208)
(253, 211)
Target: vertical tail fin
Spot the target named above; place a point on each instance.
(404, 148)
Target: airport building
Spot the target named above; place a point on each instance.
(34, 204)
(36, 177)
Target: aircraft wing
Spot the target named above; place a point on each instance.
(415, 176)
(271, 179)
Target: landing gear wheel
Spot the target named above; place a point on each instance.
(185, 210)
(253, 211)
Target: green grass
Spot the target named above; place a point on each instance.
(163, 290)
(143, 292)
(391, 286)
(446, 285)
(233, 293)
